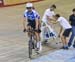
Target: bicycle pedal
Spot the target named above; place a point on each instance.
(37, 52)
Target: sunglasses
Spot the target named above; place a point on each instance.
(28, 7)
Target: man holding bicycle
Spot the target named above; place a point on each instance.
(31, 18)
(46, 20)
(64, 25)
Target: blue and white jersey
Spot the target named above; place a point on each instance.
(31, 15)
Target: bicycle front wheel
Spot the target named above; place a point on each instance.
(30, 48)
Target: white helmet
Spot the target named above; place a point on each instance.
(29, 5)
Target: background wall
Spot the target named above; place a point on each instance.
(14, 2)
(1, 3)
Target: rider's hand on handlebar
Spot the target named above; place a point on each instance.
(38, 30)
(24, 30)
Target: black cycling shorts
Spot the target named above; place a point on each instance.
(66, 32)
(32, 24)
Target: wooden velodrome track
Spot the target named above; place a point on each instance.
(13, 42)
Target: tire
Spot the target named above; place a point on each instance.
(30, 48)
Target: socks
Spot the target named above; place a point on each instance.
(65, 45)
(38, 44)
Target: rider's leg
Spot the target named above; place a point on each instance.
(28, 28)
(38, 41)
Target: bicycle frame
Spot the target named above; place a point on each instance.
(31, 43)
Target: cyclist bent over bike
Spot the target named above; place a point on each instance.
(31, 18)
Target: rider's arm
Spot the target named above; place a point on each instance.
(51, 20)
(70, 19)
(25, 20)
(24, 23)
(37, 18)
(54, 21)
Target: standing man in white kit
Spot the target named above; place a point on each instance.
(47, 17)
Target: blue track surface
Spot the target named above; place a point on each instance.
(58, 56)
